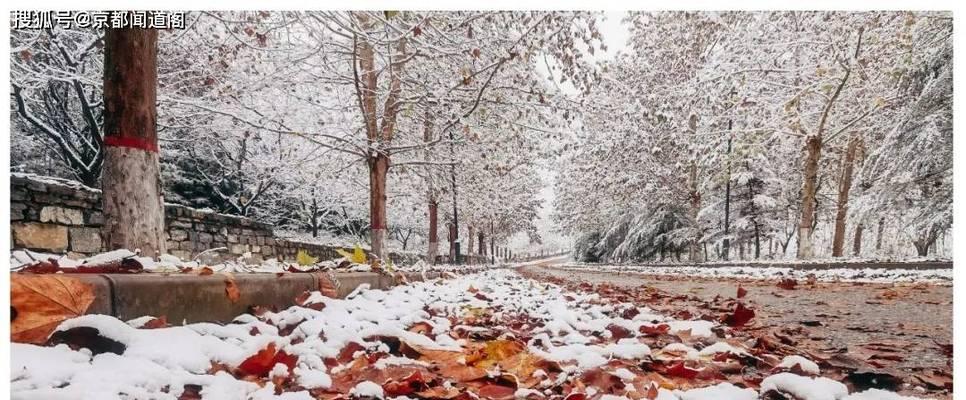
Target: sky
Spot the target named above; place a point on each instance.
(615, 35)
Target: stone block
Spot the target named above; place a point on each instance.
(34, 235)
(85, 240)
(95, 218)
(61, 215)
(179, 224)
(178, 234)
(238, 249)
(205, 237)
(17, 211)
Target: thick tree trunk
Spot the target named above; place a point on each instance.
(469, 239)
(378, 134)
(132, 195)
(813, 151)
(857, 240)
(452, 243)
(842, 204)
(378, 169)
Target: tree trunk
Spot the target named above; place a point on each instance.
(378, 169)
(727, 223)
(469, 239)
(482, 242)
(452, 243)
(878, 234)
(378, 134)
(813, 150)
(132, 196)
(433, 231)
(857, 240)
(842, 204)
(694, 253)
(757, 240)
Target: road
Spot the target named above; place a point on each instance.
(912, 321)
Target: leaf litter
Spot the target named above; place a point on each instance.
(490, 335)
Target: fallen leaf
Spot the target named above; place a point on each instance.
(740, 316)
(741, 292)
(231, 290)
(680, 371)
(42, 302)
(86, 337)
(787, 284)
(260, 363)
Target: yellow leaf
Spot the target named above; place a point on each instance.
(358, 256)
(303, 258)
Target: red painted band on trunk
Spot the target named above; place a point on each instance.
(132, 142)
(377, 226)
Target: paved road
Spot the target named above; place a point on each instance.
(915, 318)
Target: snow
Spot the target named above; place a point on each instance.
(367, 388)
(877, 394)
(807, 366)
(174, 356)
(722, 390)
(868, 275)
(805, 388)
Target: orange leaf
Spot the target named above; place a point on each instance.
(231, 290)
(40, 303)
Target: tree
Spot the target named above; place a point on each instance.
(55, 88)
(133, 202)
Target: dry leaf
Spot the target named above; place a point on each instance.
(41, 302)
(231, 290)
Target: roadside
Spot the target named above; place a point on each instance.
(903, 328)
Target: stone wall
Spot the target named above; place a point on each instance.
(61, 216)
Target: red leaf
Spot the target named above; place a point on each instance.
(412, 383)
(155, 323)
(302, 301)
(680, 371)
(262, 362)
(787, 284)
(654, 330)
(497, 392)
(741, 292)
(618, 332)
(740, 316)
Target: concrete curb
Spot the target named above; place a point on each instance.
(193, 298)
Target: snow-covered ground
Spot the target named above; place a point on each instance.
(872, 275)
(20, 259)
(494, 333)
